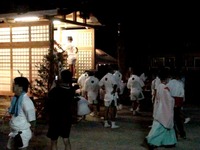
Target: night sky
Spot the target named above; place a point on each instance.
(153, 26)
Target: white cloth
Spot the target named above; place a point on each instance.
(154, 86)
(21, 122)
(176, 88)
(81, 81)
(143, 77)
(120, 84)
(164, 107)
(109, 98)
(118, 78)
(91, 86)
(71, 52)
(135, 85)
(101, 94)
(117, 75)
(83, 108)
(108, 81)
(115, 97)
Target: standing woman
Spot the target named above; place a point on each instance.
(162, 132)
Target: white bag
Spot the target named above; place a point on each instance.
(83, 108)
(141, 96)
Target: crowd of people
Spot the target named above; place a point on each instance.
(167, 95)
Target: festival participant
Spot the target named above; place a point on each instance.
(23, 116)
(60, 111)
(162, 132)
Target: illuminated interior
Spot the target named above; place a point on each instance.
(23, 45)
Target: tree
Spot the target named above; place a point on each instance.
(48, 69)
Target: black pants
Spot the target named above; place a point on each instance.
(179, 119)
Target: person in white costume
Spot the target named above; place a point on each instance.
(177, 91)
(23, 115)
(91, 89)
(81, 82)
(109, 84)
(120, 87)
(154, 85)
(72, 51)
(135, 85)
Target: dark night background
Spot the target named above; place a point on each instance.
(153, 27)
(149, 26)
(146, 27)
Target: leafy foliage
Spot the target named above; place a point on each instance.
(48, 68)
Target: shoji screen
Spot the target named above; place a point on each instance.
(22, 46)
(84, 40)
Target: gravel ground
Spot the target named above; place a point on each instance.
(89, 134)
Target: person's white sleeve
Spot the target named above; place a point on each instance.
(29, 109)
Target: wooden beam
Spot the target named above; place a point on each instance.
(71, 22)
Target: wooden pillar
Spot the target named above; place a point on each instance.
(51, 49)
(121, 52)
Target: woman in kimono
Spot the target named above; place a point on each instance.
(162, 132)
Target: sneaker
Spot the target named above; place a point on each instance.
(131, 109)
(187, 120)
(120, 106)
(102, 118)
(106, 125)
(92, 114)
(114, 126)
